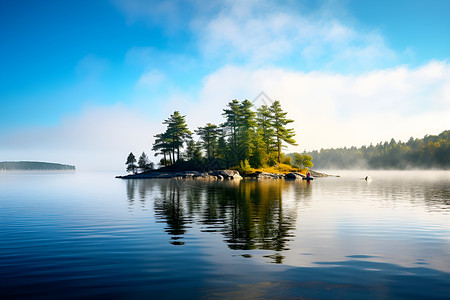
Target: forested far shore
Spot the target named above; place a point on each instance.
(33, 166)
(432, 151)
(248, 140)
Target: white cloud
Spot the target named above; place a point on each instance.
(151, 78)
(334, 110)
(266, 32)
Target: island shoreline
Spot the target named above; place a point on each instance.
(221, 175)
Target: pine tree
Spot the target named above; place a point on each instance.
(170, 142)
(177, 133)
(246, 130)
(144, 163)
(265, 130)
(193, 150)
(162, 146)
(231, 127)
(281, 133)
(209, 135)
(131, 163)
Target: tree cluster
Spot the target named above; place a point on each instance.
(432, 151)
(246, 136)
(169, 142)
(143, 164)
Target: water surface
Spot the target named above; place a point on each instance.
(78, 235)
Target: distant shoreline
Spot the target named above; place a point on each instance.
(34, 166)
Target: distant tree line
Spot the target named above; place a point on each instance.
(432, 151)
(33, 166)
(248, 138)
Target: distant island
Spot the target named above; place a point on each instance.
(33, 166)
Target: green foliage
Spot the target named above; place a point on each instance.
(193, 150)
(265, 129)
(279, 122)
(287, 160)
(302, 160)
(231, 128)
(131, 163)
(245, 136)
(169, 142)
(209, 139)
(244, 167)
(144, 163)
(432, 151)
(246, 132)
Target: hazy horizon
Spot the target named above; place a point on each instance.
(85, 83)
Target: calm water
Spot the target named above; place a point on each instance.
(79, 235)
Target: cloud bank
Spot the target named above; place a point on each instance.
(334, 110)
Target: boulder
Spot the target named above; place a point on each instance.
(294, 176)
(265, 175)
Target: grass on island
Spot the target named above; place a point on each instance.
(245, 169)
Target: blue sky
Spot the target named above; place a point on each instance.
(79, 69)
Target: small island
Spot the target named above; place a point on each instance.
(34, 166)
(248, 143)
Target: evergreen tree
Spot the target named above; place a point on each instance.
(193, 150)
(144, 163)
(162, 146)
(259, 157)
(131, 163)
(231, 127)
(265, 143)
(169, 142)
(281, 133)
(177, 133)
(209, 135)
(223, 152)
(246, 130)
(265, 128)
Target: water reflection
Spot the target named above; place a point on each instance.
(170, 208)
(249, 214)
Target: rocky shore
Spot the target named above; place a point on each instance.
(220, 175)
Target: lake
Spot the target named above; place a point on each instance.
(89, 235)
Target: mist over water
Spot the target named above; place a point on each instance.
(65, 235)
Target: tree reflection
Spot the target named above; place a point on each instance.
(131, 187)
(258, 219)
(249, 214)
(169, 208)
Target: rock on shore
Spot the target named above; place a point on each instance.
(215, 175)
(265, 175)
(219, 175)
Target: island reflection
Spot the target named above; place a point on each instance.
(249, 214)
